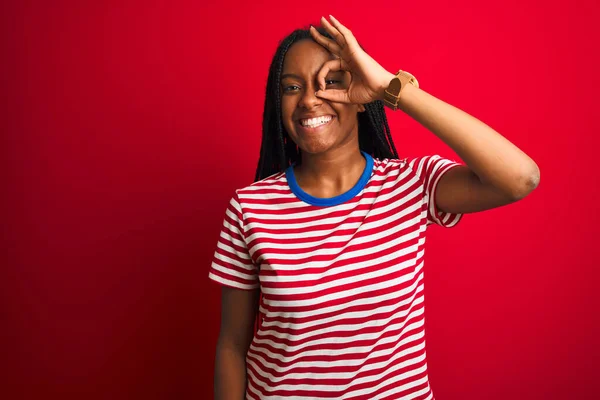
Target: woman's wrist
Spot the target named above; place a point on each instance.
(406, 96)
(385, 83)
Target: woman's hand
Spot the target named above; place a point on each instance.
(369, 79)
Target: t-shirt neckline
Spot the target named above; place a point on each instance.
(331, 201)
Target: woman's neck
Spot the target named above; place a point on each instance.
(330, 174)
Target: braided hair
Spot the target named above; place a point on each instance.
(278, 150)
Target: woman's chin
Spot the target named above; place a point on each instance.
(316, 148)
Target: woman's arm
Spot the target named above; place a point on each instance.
(497, 171)
(238, 313)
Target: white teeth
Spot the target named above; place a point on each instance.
(314, 122)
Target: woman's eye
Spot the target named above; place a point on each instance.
(290, 88)
(331, 81)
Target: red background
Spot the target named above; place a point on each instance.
(126, 126)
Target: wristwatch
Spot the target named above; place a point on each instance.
(392, 93)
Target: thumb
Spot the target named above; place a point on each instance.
(337, 95)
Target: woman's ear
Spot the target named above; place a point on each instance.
(361, 108)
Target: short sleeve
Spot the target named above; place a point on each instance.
(232, 265)
(430, 169)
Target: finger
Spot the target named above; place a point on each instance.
(335, 95)
(331, 66)
(339, 38)
(347, 33)
(324, 41)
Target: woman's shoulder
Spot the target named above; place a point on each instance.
(271, 183)
(415, 165)
(422, 167)
(389, 164)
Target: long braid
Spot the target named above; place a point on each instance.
(388, 132)
(278, 150)
(283, 160)
(379, 122)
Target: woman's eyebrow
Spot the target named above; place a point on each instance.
(291, 76)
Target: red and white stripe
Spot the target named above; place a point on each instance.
(342, 313)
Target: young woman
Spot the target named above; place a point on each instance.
(332, 232)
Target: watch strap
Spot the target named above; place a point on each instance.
(391, 95)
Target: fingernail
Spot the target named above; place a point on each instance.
(331, 16)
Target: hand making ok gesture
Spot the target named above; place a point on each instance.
(369, 79)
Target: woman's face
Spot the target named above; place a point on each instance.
(314, 124)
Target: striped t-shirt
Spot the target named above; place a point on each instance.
(341, 312)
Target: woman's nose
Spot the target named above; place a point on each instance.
(309, 99)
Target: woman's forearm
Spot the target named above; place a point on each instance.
(494, 159)
(230, 373)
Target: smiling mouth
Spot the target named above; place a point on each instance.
(313, 123)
